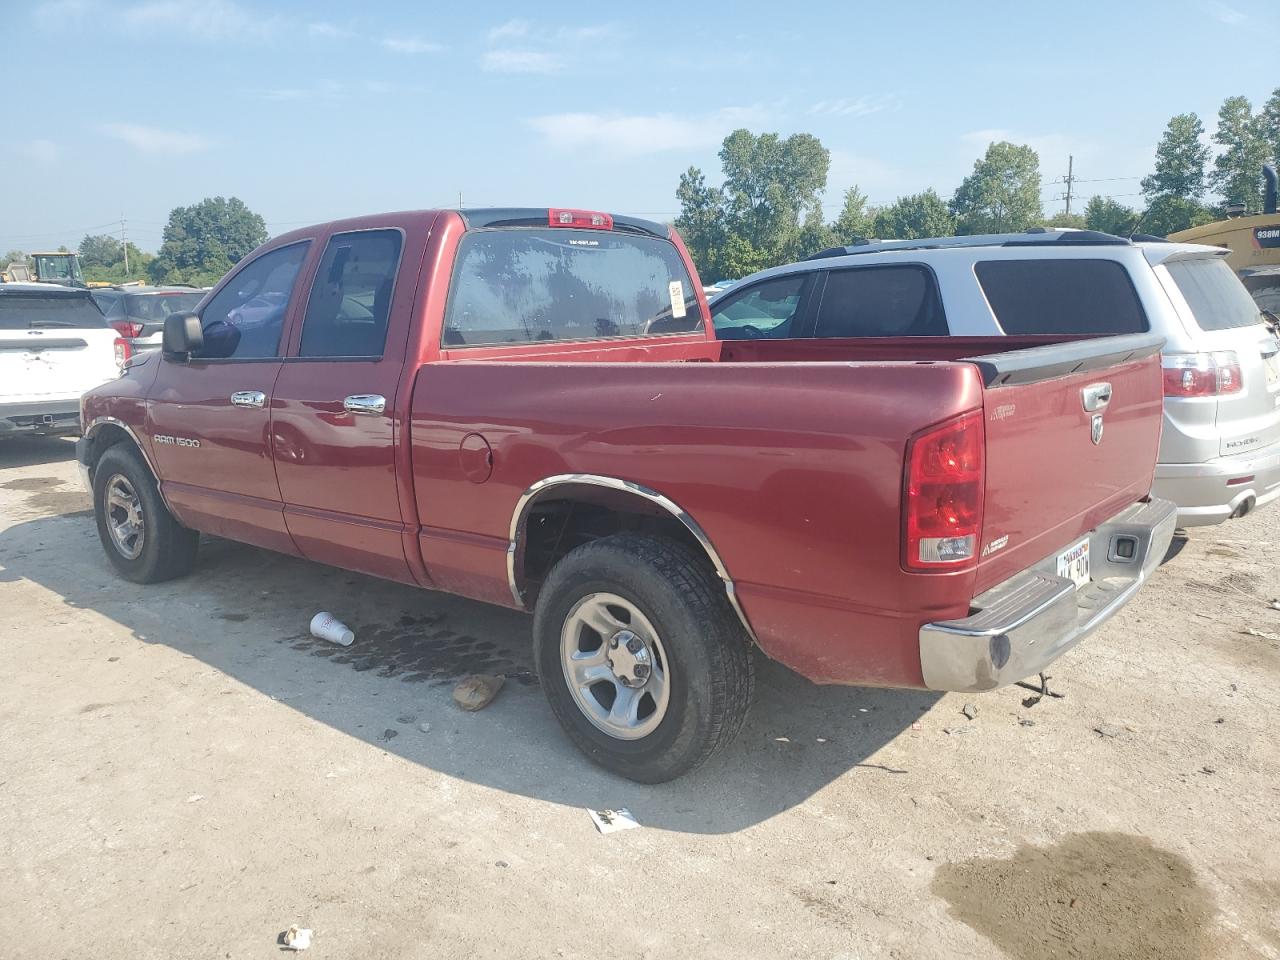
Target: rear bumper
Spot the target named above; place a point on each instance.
(53, 416)
(1031, 619)
(1203, 495)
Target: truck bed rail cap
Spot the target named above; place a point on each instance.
(1061, 359)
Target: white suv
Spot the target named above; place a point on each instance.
(1220, 450)
(54, 345)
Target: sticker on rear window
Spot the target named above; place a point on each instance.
(677, 298)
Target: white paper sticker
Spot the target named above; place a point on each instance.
(610, 821)
(676, 288)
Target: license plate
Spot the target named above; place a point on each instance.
(1272, 366)
(1073, 563)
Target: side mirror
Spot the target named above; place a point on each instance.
(182, 335)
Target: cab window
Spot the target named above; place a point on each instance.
(765, 311)
(245, 318)
(350, 298)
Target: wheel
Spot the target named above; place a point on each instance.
(142, 539)
(644, 662)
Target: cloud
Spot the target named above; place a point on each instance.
(411, 45)
(154, 140)
(1228, 15)
(855, 107)
(201, 19)
(509, 30)
(323, 28)
(640, 133)
(520, 61)
(1052, 145)
(41, 151)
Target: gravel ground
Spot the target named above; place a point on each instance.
(184, 773)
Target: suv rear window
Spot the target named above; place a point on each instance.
(900, 301)
(522, 286)
(28, 312)
(1215, 295)
(1061, 296)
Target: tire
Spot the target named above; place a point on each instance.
(163, 549)
(681, 652)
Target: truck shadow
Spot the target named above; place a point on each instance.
(245, 612)
(25, 451)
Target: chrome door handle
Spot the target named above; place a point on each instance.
(1096, 396)
(248, 398)
(368, 403)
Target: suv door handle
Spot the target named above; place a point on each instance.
(248, 398)
(367, 403)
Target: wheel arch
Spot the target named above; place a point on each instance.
(106, 432)
(621, 500)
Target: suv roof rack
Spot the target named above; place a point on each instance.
(1035, 237)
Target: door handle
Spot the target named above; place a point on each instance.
(248, 398)
(367, 403)
(1096, 396)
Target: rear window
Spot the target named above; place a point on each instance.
(154, 307)
(522, 286)
(1061, 296)
(24, 313)
(1215, 295)
(880, 302)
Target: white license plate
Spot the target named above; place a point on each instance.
(1073, 563)
(1272, 367)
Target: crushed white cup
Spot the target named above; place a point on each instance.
(326, 626)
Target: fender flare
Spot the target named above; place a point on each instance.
(535, 492)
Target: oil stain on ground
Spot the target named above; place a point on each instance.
(48, 500)
(1091, 896)
(419, 649)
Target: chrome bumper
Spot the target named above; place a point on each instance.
(1027, 622)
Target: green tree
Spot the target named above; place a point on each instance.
(1180, 161)
(855, 221)
(100, 250)
(1269, 125)
(1237, 170)
(1003, 192)
(1109, 216)
(1073, 220)
(12, 256)
(910, 218)
(1167, 214)
(202, 242)
(764, 214)
(102, 257)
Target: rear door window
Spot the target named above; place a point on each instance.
(1061, 296)
(531, 285)
(49, 312)
(1214, 293)
(768, 310)
(898, 301)
(351, 296)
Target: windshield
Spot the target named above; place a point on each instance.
(517, 286)
(57, 266)
(154, 307)
(1217, 298)
(23, 313)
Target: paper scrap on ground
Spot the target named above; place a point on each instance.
(609, 821)
(296, 938)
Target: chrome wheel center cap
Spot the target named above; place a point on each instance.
(629, 659)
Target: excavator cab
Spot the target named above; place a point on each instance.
(62, 268)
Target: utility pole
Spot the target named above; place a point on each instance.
(459, 199)
(1070, 179)
(124, 239)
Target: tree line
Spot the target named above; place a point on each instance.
(768, 209)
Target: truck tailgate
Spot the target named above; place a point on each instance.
(1072, 433)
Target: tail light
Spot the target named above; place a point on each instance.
(1202, 374)
(942, 506)
(580, 219)
(124, 350)
(127, 328)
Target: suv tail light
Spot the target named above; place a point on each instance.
(580, 219)
(124, 350)
(942, 504)
(127, 328)
(1202, 374)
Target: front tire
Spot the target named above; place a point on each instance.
(644, 662)
(142, 539)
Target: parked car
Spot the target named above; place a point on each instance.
(54, 345)
(1220, 455)
(138, 313)
(528, 407)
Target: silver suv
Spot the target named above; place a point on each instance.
(1220, 451)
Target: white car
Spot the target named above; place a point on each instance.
(54, 345)
(1220, 449)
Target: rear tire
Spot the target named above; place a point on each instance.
(142, 539)
(664, 678)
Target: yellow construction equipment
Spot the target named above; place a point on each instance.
(58, 266)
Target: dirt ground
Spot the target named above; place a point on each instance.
(184, 773)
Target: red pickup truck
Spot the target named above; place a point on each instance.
(529, 407)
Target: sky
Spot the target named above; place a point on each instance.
(309, 111)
